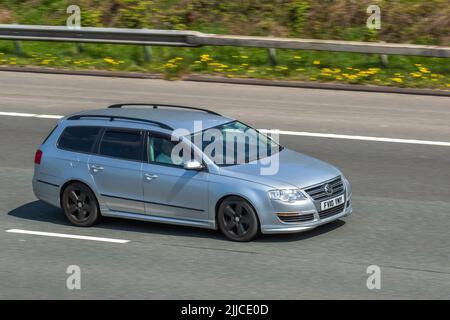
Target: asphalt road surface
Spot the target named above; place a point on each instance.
(401, 195)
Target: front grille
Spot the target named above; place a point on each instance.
(318, 192)
(332, 211)
(298, 218)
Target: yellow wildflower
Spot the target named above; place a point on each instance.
(205, 58)
(398, 80)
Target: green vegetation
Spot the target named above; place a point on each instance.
(407, 21)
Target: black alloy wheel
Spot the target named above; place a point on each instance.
(80, 205)
(237, 219)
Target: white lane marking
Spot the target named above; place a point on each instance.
(30, 115)
(283, 132)
(363, 138)
(48, 116)
(16, 114)
(70, 236)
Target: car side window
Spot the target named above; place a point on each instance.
(78, 138)
(122, 144)
(162, 150)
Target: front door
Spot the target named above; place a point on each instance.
(170, 190)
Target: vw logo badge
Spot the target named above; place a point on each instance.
(328, 189)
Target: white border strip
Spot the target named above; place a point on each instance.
(70, 236)
(291, 133)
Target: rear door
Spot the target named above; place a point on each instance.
(69, 161)
(116, 168)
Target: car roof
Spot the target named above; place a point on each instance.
(170, 117)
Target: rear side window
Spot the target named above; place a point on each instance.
(78, 138)
(127, 145)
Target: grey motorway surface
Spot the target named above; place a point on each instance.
(401, 216)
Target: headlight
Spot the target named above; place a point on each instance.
(287, 195)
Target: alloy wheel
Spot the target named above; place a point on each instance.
(80, 205)
(237, 219)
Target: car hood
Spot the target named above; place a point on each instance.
(295, 170)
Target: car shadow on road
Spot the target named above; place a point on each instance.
(329, 227)
(40, 211)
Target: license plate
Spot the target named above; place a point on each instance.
(331, 203)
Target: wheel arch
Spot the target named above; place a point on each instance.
(69, 182)
(222, 198)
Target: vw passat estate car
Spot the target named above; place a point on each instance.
(184, 166)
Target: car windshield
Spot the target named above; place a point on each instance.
(234, 143)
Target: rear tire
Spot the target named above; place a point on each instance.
(80, 205)
(238, 220)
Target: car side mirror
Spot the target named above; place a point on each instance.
(193, 165)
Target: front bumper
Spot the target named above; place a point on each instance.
(273, 224)
(288, 227)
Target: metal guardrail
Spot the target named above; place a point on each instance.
(97, 35)
(195, 39)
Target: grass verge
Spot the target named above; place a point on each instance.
(232, 62)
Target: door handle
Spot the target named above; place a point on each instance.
(95, 168)
(150, 176)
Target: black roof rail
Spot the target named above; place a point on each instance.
(112, 118)
(155, 106)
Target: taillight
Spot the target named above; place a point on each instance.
(38, 157)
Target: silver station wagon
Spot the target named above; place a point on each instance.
(185, 166)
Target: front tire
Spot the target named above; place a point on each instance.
(80, 205)
(237, 219)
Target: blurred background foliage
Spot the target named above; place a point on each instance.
(402, 21)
